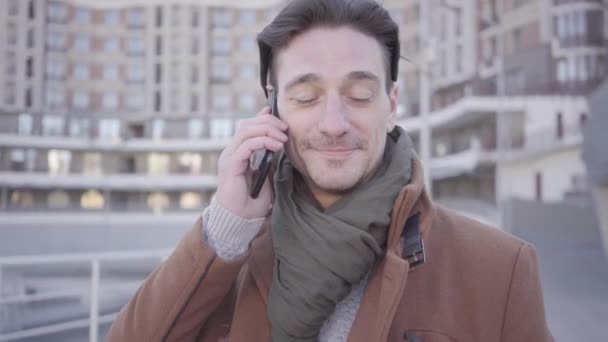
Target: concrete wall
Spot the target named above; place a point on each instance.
(557, 169)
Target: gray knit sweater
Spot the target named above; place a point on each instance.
(230, 236)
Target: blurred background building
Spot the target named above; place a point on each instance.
(111, 111)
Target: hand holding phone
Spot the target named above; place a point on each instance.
(242, 186)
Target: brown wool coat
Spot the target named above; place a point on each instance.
(478, 284)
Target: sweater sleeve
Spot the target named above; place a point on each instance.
(226, 233)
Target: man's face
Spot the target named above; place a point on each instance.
(332, 94)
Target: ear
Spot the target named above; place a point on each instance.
(391, 121)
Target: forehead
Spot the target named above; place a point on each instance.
(331, 53)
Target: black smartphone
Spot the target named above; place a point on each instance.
(260, 168)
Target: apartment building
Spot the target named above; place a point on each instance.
(506, 121)
(122, 105)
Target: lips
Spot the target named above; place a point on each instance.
(336, 153)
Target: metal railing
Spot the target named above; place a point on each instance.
(94, 260)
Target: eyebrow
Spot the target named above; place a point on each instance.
(362, 76)
(306, 78)
(352, 76)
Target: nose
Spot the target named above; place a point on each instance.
(334, 121)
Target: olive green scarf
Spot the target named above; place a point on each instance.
(320, 255)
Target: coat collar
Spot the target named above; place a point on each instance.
(388, 277)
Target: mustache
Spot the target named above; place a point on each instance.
(322, 142)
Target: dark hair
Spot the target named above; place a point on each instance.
(365, 16)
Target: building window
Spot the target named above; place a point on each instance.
(29, 98)
(23, 160)
(159, 16)
(11, 63)
(221, 102)
(57, 12)
(158, 164)
(55, 69)
(82, 42)
(9, 93)
(158, 202)
(55, 97)
(175, 16)
(31, 10)
(175, 72)
(52, 125)
(25, 124)
(190, 200)
(30, 38)
(191, 163)
(135, 101)
(83, 16)
(176, 100)
(136, 18)
(92, 165)
(11, 34)
(79, 127)
(56, 41)
(158, 73)
(157, 101)
(247, 101)
(92, 200)
(58, 200)
(221, 128)
(459, 58)
(194, 74)
(194, 19)
(221, 70)
(135, 46)
(29, 67)
(13, 7)
(158, 129)
(112, 45)
(562, 70)
(110, 101)
(80, 99)
(195, 128)
(247, 44)
(517, 40)
(59, 162)
(22, 199)
(159, 45)
(221, 17)
(247, 72)
(112, 17)
(195, 45)
(82, 71)
(193, 102)
(110, 72)
(109, 129)
(135, 73)
(247, 17)
(221, 45)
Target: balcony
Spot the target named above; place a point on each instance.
(115, 182)
(595, 40)
(565, 2)
(463, 162)
(117, 145)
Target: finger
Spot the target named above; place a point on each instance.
(248, 147)
(261, 120)
(258, 131)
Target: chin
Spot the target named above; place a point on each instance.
(335, 178)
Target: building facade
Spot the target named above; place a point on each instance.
(509, 86)
(126, 105)
(122, 105)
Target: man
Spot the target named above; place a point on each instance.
(331, 250)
